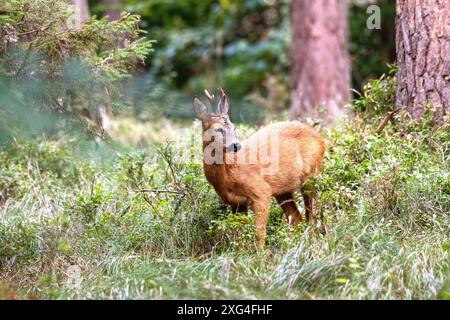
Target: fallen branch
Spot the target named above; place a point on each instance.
(157, 191)
(385, 121)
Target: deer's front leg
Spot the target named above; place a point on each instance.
(261, 210)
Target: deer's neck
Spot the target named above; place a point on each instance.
(224, 177)
(218, 174)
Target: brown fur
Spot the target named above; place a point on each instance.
(301, 151)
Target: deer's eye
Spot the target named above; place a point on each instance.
(219, 130)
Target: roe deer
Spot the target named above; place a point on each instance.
(296, 150)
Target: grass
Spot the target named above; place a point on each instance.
(75, 225)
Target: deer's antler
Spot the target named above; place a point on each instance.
(209, 96)
(211, 99)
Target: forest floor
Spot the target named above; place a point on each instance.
(75, 222)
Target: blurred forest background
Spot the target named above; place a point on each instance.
(243, 46)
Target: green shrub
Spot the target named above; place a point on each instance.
(51, 68)
(141, 224)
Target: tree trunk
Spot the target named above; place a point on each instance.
(81, 12)
(112, 9)
(321, 63)
(423, 56)
(99, 115)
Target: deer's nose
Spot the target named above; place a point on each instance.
(234, 147)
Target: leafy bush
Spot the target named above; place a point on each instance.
(50, 63)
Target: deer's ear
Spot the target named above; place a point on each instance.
(223, 106)
(200, 110)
